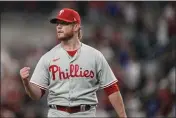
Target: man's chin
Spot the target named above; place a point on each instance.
(63, 38)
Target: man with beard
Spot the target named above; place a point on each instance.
(72, 72)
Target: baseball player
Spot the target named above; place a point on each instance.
(72, 72)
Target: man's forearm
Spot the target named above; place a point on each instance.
(32, 90)
(117, 102)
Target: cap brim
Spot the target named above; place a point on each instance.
(56, 20)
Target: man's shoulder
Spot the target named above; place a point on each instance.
(91, 49)
(51, 52)
(55, 48)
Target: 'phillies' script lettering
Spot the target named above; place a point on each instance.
(75, 71)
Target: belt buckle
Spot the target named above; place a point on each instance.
(83, 107)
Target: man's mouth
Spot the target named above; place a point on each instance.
(60, 32)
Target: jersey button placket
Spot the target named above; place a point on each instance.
(68, 70)
(71, 88)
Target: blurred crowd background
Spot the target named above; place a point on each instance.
(138, 39)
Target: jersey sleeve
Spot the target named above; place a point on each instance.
(40, 76)
(104, 73)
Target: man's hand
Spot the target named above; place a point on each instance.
(31, 89)
(24, 73)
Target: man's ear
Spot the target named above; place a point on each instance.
(76, 27)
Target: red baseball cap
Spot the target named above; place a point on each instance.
(67, 15)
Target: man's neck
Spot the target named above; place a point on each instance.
(71, 44)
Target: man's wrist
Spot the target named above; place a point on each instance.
(26, 82)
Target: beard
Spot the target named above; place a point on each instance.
(65, 36)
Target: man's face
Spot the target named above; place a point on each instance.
(64, 30)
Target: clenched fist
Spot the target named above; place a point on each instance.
(24, 73)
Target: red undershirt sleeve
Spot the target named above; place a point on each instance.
(111, 89)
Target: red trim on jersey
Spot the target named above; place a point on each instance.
(110, 84)
(43, 92)
(72, 53)
(111, 89)
(42, 87)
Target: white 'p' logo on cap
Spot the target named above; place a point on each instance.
(61, 12)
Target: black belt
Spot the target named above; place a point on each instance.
(73, 109)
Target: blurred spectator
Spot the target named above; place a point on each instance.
(132, 74)
(9, 65)
(12, 94)
(130, 13)
(171, 77)
(162, 33)
(133, 105)
(5, 113)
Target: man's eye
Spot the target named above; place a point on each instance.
(64, 23)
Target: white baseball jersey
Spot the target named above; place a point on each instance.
(73, 81)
